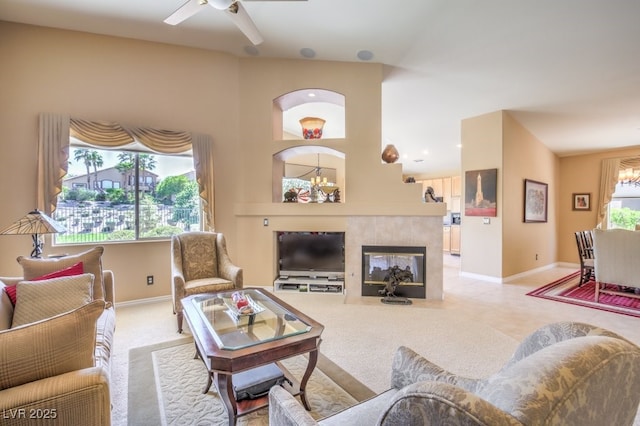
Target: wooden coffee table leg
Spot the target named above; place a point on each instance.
(313, 359)
(225, 390)
(209, 382)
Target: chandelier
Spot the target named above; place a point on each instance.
(629, 176)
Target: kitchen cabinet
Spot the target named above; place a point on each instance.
(455, 205)
(456, 186)
(446, 191)
(455, 239)
(446, 238)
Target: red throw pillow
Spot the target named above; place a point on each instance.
(76, 269)
(11, 292)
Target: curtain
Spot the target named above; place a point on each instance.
(608, 180)
(53, 153)
(203, 161)
(611, 168)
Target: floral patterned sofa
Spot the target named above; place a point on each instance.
(562, 374)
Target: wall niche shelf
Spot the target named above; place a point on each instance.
(290, 108)
(295, 166)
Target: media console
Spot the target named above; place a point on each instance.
(308, 284)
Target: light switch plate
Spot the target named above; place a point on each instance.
(486, 220)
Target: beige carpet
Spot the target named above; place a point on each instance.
(360, 338)
(166, 382)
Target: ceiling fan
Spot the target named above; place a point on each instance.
(233, 9)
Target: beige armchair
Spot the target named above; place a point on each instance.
(200, 264)
(562, 374)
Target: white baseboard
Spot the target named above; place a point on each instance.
(503, 280)
(146, 301)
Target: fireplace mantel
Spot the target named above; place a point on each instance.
(341, 209)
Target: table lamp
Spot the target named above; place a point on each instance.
(35, 223)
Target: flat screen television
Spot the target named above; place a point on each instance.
(314, 253)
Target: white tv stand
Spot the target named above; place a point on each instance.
(331, 283)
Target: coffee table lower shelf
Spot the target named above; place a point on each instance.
(248, 406)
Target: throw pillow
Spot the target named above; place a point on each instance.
(76, 269)
(38, 300)
(11, 292)
(48, 348)
(6, 308)
(91, 260)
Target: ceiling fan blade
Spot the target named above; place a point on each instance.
(185, 11)
(238, 14)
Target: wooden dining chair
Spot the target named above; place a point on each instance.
(584, 241)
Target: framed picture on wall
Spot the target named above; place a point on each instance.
(535, 201)
(582, 201)
(481, 190)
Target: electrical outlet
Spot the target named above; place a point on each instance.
(265, 222)
(149, 279)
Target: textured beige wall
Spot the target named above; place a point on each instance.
(163, 86)
(481, 245)
(525, 157)
(114, 79)
(370, 185)
(580, 174)
(507, 246)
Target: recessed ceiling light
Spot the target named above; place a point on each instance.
(312, 95)
(251, 50)
(425, 152)
(459, 145)
(307, 52)
(365, 55)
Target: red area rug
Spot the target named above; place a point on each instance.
(566, 290)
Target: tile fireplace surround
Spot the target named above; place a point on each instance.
(364, 224)
(393, 231)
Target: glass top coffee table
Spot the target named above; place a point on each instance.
(231, 340)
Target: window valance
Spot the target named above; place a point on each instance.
(114, 135)
(53, 154)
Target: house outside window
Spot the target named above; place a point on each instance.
(133, 195)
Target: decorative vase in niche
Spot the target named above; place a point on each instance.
(312, 127)
(390, 154)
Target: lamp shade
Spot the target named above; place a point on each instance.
(35, 222)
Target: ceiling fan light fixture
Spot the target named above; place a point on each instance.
(219, 4)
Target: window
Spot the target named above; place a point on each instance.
(624, 207)
(134, 195)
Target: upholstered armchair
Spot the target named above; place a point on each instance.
(562, 374)
(616, 262)
(200, 264)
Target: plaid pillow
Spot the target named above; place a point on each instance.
(51, 347)
(76, 269)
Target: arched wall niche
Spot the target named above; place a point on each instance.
(289, 108)
(302, 162)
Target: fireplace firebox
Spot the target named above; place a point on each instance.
(379, 261)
